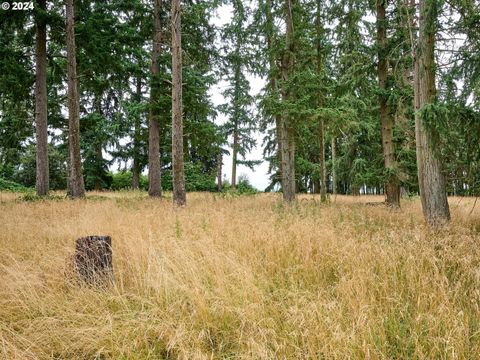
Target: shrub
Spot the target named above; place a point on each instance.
(121, 180)
(195, 179)
(7, 185)
(244, 187)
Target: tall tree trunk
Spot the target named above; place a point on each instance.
(287, 189)
(234, 158)
(291, 151)
(99, 147)
(316, 186)
(430, 177)
(77, 187)
(98, 181)
(154, 169)
(179, 196)
(42, 175)
(334, 170)
(392, 186)
(219, 171)
(135, 175)
(236, 110)
(136, 141)
(273, 79)
(321, 124)
(287, 139)
(323, 171)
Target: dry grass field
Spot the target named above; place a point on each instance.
(240, 278)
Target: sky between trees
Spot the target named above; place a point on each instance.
(259, 176)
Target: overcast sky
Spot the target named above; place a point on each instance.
(258, 177)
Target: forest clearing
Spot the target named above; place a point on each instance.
(241, 277)
(239, 179)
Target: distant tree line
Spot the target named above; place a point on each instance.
(360, 96)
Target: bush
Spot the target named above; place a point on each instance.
(121, 180)
(244, 187)
(7, 185)
(103, 180)
(195, 179)
(25, 172)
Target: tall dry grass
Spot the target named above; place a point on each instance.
(242, 278)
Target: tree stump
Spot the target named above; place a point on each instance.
(93, 259)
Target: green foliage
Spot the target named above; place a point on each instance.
(332, 77)
(243, 187)
(122, 180)
(238, 60)
(195, 179)
(7, 185)
(435, 120)
(24, 172)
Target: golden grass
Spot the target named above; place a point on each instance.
(241, 278)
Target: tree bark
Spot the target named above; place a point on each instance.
(219, 171)
(392, 186)
(154, 169)
(236, 125)
(179, 195)
(77, 187)
(323, 171)
(316, 186)
(136, 139)
(42, 174)
(430, 177)
(135, 175)
(98, 181)
(291, 151)
(334, 170)
(285, 166)
(321, 124)
(99, 147)
(234, 158)
(273, 80)
(287, 140)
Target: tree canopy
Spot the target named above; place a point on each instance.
(318, 60)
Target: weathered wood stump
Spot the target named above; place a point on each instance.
(93, 259)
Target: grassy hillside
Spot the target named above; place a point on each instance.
(240, 277)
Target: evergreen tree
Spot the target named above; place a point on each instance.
(42, 181)
(392, 187)
(430, 177)
(331, 75)
(179, 196)
(154, 166)
(76, 182)
(241, 122)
